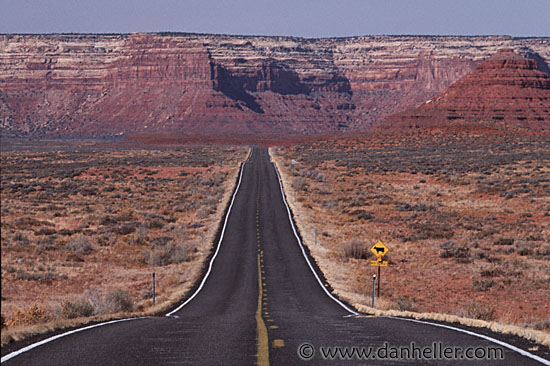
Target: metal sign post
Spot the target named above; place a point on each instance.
(153, 288)
(378, 291)
(315, 234)
(373, 287)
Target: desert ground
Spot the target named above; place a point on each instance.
(465, 214)
(84, 227)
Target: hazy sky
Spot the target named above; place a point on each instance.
(305, 18)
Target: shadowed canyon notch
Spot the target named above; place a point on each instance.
(93, 85)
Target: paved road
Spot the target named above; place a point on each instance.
(260, 303)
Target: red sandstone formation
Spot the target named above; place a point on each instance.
(91, 85)
(506, 87)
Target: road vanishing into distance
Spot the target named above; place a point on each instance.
(260, 303)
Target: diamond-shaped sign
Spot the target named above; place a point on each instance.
(379, 249)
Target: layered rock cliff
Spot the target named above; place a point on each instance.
(506, 87)
(118, 84)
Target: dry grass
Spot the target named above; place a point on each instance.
(531, 334)
(355, 248)
(74, 223)
(464, 219)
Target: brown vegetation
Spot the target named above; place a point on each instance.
(84, 228)
(466, 218)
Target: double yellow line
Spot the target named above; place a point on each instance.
(261, 329)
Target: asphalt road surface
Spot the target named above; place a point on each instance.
(261, 304)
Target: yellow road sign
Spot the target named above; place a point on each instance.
(379, 263)
(379, 249)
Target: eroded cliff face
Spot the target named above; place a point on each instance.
(117, 84)
(506, 87)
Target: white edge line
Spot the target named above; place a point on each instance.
(48, 340)
(219, 242)
(304, 252)
(53, 338)
(504, 344)
(509, 346)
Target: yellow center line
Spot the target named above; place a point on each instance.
(261, 329)
(278, 343)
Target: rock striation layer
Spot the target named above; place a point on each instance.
(92, 85)
(507, 87)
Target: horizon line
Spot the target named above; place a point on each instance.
(181, 33)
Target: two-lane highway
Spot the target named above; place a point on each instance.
(260, 302)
